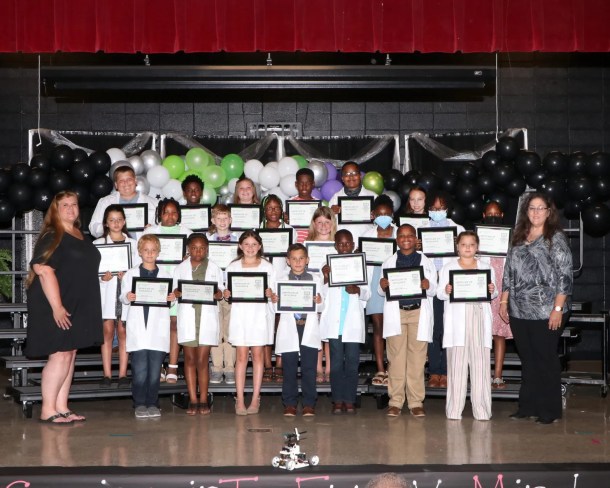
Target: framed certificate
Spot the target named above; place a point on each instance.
(275, 241)
(300, 212)
(222, 253)
(136, 216)
(247, 287)
(438, 242)
(115, 257)
(195, 217)
(405, 283)
(355, 210)
(494, 240)
(317, 252)
(173, 248)
(376, 250)
(245, 217)
(415, 220)
(347, 269)
(197, 292)
(470, 285)
(296, 296)
(151, 292)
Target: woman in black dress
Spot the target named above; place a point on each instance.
(64, 306)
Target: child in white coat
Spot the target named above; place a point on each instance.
(467, 336)
(197, 323)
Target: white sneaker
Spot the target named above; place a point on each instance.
(141, 412)
(216, 377)
(154, 412)
(230, 378)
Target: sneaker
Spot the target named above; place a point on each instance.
(106, 382)
(124, 382)
(418, 412)
(154, 412)
(309, 411)
(290, 411)
(215, 377)
(230, 378)
(349, 408)
(141, 412)
(337, 408)
(393, 412)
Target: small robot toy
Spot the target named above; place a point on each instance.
(291, 456)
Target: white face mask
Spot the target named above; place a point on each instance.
(438, 215)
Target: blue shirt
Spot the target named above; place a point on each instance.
(344, 307)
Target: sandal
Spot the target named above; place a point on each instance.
(268, 375)
(163, 375)
(320, 377)
(75, 417)
(279, 375)
(379, 378)
(386, 379)
(192, 409)
(172, 377)
(498, 384)
(52, 420)
(203, 409)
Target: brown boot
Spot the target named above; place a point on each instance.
(434, 381)
(443, 381)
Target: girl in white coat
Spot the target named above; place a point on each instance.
(197, 323)
(115, 232)
(467, 336)
(251, 324)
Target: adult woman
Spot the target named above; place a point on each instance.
(64, 306)
(535, 290)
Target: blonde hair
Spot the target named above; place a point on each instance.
(219, 208)
(325, 212)
(254, 198)
(149, 238)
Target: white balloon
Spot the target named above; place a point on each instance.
(150, 159)
(287, 186)
(277, 191)
(115, 154)
(231, 184)
(158, 176)
(288, 166)
(137, 164)
(269, 177)
(273, 164)
(155, 192)
(172, 189)
(395, 199)
(142, 184)
(117, 164)
(252, 168)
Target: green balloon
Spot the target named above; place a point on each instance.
(233, 166)
(214, 176)
(209, 195)
(301, 160)
(373, 181)
(197, 158)
(174, 165)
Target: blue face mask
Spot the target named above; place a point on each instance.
(438, 215)
(383, 221)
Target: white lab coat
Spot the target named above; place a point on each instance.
(354, 329)
(455, 313)
(155, 334)
(287, 338)
(391, 310)
(208, 326)
(96, 226)
(356, 229)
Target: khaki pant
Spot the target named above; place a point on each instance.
(223, 355)
(407, 357)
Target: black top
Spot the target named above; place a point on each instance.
(76, 264)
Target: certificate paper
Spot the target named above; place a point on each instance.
(355, 210)
(173, 248)
(300, 212)
(494, 240)
(438, 242)
(347, 269)
(470, 285)
(245, 217)
(416, 221)
(115, 257)
(275, 241)
(222, 253)
(405, 283)
(296, 296)
(136, 216)
(377, 250)
(151, 292)
(247, 287)
(197, 292)
(317, 252)
(195, 217)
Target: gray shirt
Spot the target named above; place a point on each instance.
(534, 274)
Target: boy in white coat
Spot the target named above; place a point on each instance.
(407, 328)
(147, 332)
(342, 324)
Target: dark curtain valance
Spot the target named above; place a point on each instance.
(168, 26)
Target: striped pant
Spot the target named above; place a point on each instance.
(473, 357)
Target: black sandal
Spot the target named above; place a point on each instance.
(268, 375)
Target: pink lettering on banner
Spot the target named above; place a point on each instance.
(499, 483)
(14, 483)
(236, 481)
(298, 480)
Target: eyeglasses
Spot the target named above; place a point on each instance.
(351, 173)
(537, 209)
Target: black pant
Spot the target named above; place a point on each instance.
(540, 394)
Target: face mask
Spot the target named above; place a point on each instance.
(492, 220)
(383, 221)
(438, 215)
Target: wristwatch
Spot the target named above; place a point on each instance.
(558, 309)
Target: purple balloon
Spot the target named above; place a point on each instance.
(332, 171)
(317, 194)
(330, 188)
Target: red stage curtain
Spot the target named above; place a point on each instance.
(168, 26)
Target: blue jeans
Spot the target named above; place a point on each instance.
(437, 356)
(290, 365)
(145, 377)
(344, 362)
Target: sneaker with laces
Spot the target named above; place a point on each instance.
(141, 412)
(309, 411)
(124, 382)
(290, 411)
(216, 377)
(106, 382)
(230, 378)
(154, 412)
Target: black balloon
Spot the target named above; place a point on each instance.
(485, 183)
(474, 210)
(83, 193)
(40, 161)
(572, 210)
(580, 188)
(577, 162)
(490, 160)
(596, 220)
(5, 180)
(459, 214)
(429, 182)
(20, 172)
(449, 182)
(20, 194)
(598, 165)
(537, 179)
(555, 163)
(403, 190)
(503, 174)
(556, 189)
(101, 186)
(59, 181)
(7, 210)
(507, 148)
(467, 192)
(101, 162)
(62, 157)
(38, 178)
(392, 179)
(79, 155)
(515, 187)
(468, 172)
(42, 198)
(528, 162)
(601, 189)
(82, 172)
(500, 198)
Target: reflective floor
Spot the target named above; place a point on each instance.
(113, 437)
